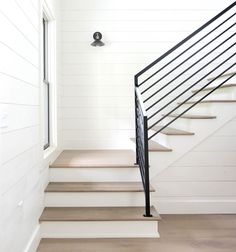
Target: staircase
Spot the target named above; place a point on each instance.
(180, 99)
(96, 194)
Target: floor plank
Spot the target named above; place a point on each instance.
(179, 233)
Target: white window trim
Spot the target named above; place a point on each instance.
(48, 12)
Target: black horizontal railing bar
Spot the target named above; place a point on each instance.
(186, 39)
(182, 103)
(163, 97)
(171, 71)
(179, 55)
(193, 104)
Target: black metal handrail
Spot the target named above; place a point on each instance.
(142, 158)
(146, 112)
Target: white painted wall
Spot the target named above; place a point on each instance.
(96, 108)
(204, 179)
(23, 170)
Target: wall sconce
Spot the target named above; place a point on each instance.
(97, 39)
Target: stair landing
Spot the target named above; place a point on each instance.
(95, 158)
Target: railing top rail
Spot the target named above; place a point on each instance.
(186, 39)
(137, 91)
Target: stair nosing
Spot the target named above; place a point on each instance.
(92, 166)
(211, 101)
(193, 116)
(43, 218)
(48, 190)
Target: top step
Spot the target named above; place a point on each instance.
(95, 158)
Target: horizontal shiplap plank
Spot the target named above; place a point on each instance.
(105, 143)
(13, 87)
(97, 123)
(208, 159)
(72, 135)
(124, 25)
(134, 14)
(17, 66)
(96, 112)
(17, 142)
(96, 80)
(15, 169)
(15, 15)
(84, 101)
(193, 189)
(20, 117)
(200, 173)
(96, 69)
(107, 58)
(99, 90)
(139, 4)
(9, 35)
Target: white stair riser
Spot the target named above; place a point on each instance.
(93, 199)
(94, 174)
(99, 229)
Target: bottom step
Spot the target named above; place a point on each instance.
(98, 222)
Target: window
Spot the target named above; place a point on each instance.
(46, 84)
(48, 79)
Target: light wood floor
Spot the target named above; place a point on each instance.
(179, 233)
(95, 158)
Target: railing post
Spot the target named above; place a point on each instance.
(146, 157)
(136, 118)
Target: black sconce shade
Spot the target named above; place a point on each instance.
(97, 39)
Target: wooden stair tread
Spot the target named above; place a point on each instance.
(96, 214)
(172, 131)
(211, 88)
(212, 101)
(96, 187)
(190, 116)
(156, 147)
(95, 159)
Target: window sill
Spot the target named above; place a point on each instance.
(49, 151)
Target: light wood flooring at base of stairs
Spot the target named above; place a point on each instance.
(179, 233)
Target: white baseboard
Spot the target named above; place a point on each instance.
(33, 241)
(195, 206)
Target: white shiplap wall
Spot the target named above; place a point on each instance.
(204, 179)
(23, 171)
(96, 108)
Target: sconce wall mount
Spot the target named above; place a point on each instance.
(97, 39)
